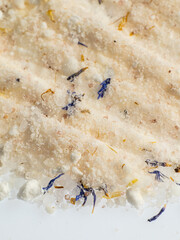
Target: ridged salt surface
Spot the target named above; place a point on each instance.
(102, 141)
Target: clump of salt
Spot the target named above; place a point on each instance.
(30, 190)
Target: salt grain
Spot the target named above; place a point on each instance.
(23, 126)
(14, 131)
(50, 209)
(134, 197)
(76, 171)
(1, 15)
(75, 156)
(4, 190)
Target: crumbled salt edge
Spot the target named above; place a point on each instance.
(55, 198)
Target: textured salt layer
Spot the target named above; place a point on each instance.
(136, 43)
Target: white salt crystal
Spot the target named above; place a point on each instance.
(4, 190)
(76, 171)
(75, 156)
(134, 197)
(14, 131)
(30, 190)
(1, 15)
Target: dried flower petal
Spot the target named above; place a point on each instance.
(49, 90)
(73, 76)
(82, 44)
(156, 216)
(50, 184)
(91, 190)
(70, 107)
(123, 22)
(158, 175)
(132, 182)
(103, 89)
(50, 14)
(113, 195)
(156, 163)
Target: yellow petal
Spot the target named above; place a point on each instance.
(132, 182)
(50, 14)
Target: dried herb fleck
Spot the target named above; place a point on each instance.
(49, 90)
(73, 76)
(82, 44)
(85, 111)
(82, 58)
(132, 182)
(123, 22)
(104, 189)
(111, 148)
(50, 14)
(125, 112)
(114, 195)
(177, 169)
(58, 187)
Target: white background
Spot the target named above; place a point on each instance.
(24, 221)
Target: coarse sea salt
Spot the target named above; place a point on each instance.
(97, 129)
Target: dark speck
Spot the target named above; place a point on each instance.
(17, 79)
(125, 112)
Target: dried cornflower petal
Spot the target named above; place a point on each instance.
(91, 190)
(50, 184)
(70, 107)
(82, 44)
(155, 163)
(158, 175)
(73, 76)
(103, 89)
(156, 216)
